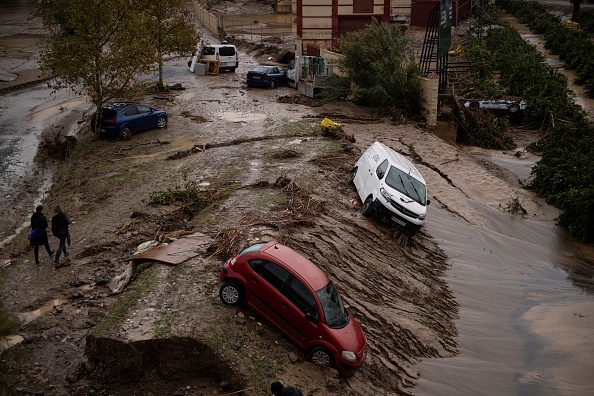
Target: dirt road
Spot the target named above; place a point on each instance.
(169, 334)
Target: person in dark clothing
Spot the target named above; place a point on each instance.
(39, 223)
(60, 223)
(278, 389)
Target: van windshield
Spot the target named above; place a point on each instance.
(335, 316)
(408, 185)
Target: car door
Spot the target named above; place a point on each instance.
(373, 174)
(133, 118)
(266, 280)
(301, 307)
(147, 117)
(278, 75)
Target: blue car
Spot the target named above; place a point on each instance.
(121, 120)
(267, 76)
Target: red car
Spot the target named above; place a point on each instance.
(298, 299)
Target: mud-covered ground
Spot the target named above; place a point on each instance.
(267, 172)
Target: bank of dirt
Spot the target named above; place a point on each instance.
(267, 172)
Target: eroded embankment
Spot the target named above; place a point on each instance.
(122, 366)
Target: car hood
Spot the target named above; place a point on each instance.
(351, 338)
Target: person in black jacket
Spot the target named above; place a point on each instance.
(278, 389)
(60, 223)
(39, 223)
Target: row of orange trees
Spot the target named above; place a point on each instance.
(574, 46)
(565, 173)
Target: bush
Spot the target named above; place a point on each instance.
(378, 69)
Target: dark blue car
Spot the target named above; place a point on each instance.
(121, 120)
(267, 76)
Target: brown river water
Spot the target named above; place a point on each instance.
(526, 295)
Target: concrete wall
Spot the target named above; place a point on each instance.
(209, 20)
(429, 97)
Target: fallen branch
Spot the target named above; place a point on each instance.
(142, 144)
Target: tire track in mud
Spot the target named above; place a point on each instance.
(397, 294)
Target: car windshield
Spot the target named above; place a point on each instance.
(252, 248)
(334, 313)
(406, 184)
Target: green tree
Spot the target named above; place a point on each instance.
(172, 30)
(96, 47)
(378, 69)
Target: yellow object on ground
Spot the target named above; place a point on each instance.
(329, 124)
(458, 50)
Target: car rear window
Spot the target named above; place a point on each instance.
(252, 248)
(107, 114)
(260, 69)
(227, 51)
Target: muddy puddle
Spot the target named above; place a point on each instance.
(26, 317)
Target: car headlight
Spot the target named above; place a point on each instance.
(385, 194)
(349, 355)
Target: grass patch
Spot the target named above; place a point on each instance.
(269, 197)
(144, 284)
(163, 325)
(300, 127)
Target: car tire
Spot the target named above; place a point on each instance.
(231, 293)
(513, 108)
(352, 175)
(321, 357)
(367, 206)
(126, 133)
(272, 85)
(162, 122)
(474, 105)
(232, 69)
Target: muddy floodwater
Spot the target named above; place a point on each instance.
(526, 294)
(525, 290)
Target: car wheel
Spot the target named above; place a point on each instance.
(162, 122)
(474, 105)
(126, 133)
(320, 357)
(366, 209)
(231, 293)
(514, 108)
(352, 175)
(272, 85)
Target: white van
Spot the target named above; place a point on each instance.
(225, 53)
(390, 187)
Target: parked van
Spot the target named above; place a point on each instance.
(225, 53)
(391, 188)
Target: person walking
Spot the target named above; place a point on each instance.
(278, 389)
(39, 223)
(60, 223)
